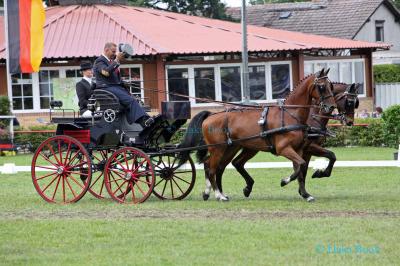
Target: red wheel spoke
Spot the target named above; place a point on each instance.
(46, 176)
(137, 179)
(52, 151)
(73, 179)
(59, 150)
(126, 191)
(63, 186)
(77, 165)
(134, 161)
(177, 185)
(73, 158)
(45, 167)
(182, 179)
(69, 185)
(101, 188)
(123, 169)
(119, 187)
(95, 181)
(117, 173)
(133, 192)
(137, 185)
(115, 180)
(147, 172)
(55, 191)
(52, 181)
(126, 161)
(47, 159)
(139, 166)
(77, 173)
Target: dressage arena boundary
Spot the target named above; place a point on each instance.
(10, 168)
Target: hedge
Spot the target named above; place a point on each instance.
(387, 73)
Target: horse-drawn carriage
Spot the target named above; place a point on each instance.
(104, 154)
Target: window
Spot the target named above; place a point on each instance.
(22, 94)
(379, 30)
(46, 86)
(346, 71)
(280, 78)
(257, 83)
(308, 68)
(231, 88)
(178, 83)
(204, 83)
(73, 73)
(132, 74)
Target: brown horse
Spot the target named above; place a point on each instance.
(228, 132)
(346, 101)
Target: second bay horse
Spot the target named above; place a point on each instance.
(228, 132)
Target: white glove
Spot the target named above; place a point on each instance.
(87, 114)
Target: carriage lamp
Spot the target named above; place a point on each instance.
(55, 103)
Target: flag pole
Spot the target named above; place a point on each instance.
(9, 90)
(245, 59)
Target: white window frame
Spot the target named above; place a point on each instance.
(62, 74)
(217, 75)
(353, 74)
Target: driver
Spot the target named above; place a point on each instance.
(107, 73)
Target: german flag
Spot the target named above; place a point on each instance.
(25, 35)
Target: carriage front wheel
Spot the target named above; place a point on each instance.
(129, 176)
(60, 170)
(173, 182)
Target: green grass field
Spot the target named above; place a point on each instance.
(354, 221)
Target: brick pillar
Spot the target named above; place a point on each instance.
(161, 80)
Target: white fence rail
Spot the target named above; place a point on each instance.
(387, 94)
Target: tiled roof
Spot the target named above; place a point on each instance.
(82, 31)
(336, 18)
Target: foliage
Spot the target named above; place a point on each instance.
(396, 3)
(4, 110)
(391, 125)
(387, 73)
(207, 8)
(34, 139)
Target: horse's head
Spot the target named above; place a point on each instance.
(346, 98)
(322, 91)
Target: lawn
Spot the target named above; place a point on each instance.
(342, 154)
(353, 221)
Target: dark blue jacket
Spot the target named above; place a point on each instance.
(106, 73)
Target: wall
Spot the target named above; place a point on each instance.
(3, 81)
(391, 30)
(150, 83)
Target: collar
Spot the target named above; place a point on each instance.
(108, 59)
(88, 80)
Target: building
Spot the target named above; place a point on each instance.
(364, 20)
(178, 53)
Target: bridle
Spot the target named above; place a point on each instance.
(322, 89)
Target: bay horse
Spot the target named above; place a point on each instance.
(226, 133)
(346, 99)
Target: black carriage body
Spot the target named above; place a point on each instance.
(98, 133)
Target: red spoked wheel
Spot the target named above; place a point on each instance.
(129, 176)
(173, 182)
(60, 170)
(97, 187)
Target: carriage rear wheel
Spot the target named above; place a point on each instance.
(129, 176)
(60, 170)
(173, 182)
(97, 187)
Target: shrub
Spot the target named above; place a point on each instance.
(391, 126)
(387, 73)
(34, 139)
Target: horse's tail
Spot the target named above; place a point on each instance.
(194, 137)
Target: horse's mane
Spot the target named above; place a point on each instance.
(293, 92)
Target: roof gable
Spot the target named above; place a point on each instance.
(336, 18)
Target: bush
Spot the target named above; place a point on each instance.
(387, 73)
(391, 126)
(34, 139)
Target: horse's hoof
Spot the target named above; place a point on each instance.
(310, 199)
(205, 196)
(283, 183)
(223, 199)
(317, 174)
(246, 192)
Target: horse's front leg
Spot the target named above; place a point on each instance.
(302, 179)
(298, 164)
(239, 163)
(316, 150)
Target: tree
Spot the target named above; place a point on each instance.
(397, 3)
(261, 2)
(206, 8)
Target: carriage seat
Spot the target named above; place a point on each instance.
(106, 100)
